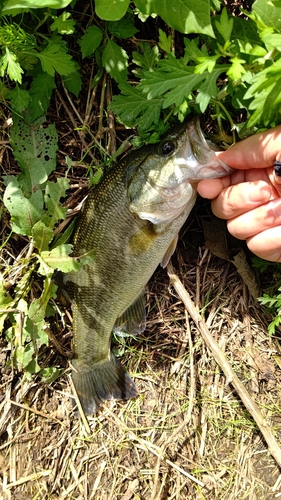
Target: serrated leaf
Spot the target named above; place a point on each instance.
(63, 24)
(115, 61)
(133, 107)
(206, 63)
(173, 79)
(40, 142)
(25, 212)
(55, 58)
(19, 99)
(42, 236)
(146, 59)
(40, 93)
(224, 25)
(185, 16)
(90, 41)
(192, 52)
(237, 68)
(165, 42)
(11, 66)
(123, 28)
(111, 11)
(53, 194)
(207, 90)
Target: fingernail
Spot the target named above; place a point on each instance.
(275, 207)
(277, 168)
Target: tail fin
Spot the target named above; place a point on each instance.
(105, 381)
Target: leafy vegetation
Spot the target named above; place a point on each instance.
(203, 59)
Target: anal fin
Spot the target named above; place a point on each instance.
(133, 319)
(169, 252)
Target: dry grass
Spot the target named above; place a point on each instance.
(187, 435)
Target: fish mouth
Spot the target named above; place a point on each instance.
(199, 158)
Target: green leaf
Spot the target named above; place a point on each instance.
(37, 308)
(245, 32)
(111, 11)
(40, 93)
(207, 90)
(132, 107)
(173, 79)
(192, 52)
(146, 7)
(11, 66)
(19, 99)
(206, 63)
(146, 59)
(33, 173)
(42, 236)
(55, 58)
(165, 42)
(272, 40)
(90, 41)
(53, 194)
(185, 16)
(237, 68)
(269, 13)
(73, 82)
(225, 25)
(63, 24)
(59, 258)
(49, 374)
(34, 141)
(25, 212)
(115, 61)
(6, 302)
(122, 29)
(35, 4)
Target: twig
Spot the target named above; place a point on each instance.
(33, 410)
(220, 358)
(75, 126)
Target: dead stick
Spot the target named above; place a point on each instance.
(220, 358)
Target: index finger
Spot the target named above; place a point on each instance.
(258, 151)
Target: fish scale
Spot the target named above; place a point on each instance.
(130, 222)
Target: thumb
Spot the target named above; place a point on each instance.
(258, 151)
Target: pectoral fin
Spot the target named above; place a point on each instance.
(142, 240)
(169, 252)
(133, 320)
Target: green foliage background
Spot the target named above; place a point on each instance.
(226, 65)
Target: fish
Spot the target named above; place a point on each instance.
(130, 223)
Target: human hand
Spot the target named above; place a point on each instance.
(250, 198)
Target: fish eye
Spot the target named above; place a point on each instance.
(167, 147)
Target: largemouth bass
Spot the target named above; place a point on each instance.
(131, 221)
